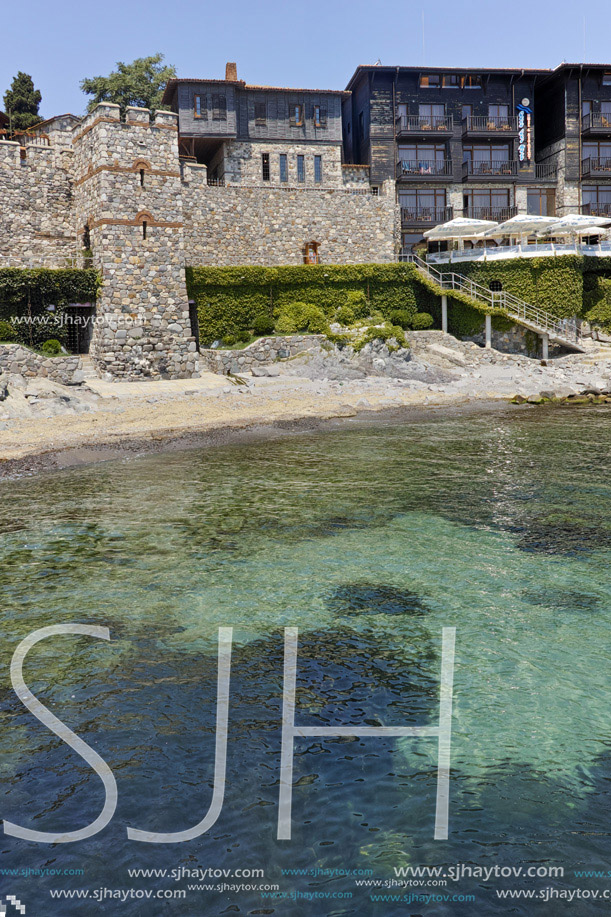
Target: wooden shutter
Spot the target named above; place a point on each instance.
(260, 113)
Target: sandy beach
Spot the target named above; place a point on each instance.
(44, 426)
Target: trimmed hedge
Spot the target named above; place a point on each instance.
(553, 284)
(233, 298)
(29, 293)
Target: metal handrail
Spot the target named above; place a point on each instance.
(424, 167)
(595, 164)
(566, 330)
(484, 123)
(425, 123)
(490, 167)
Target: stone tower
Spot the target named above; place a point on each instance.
(128, 210)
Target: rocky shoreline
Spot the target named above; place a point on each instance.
(45, 426)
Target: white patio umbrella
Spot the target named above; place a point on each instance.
(573, 223)
(522, 225)
(460, 228)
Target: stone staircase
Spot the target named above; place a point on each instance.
(561, 331)
(88, 368)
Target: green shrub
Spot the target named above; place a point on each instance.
(356, 301)
(7, 332)
(401, 317)
(345, 315)
(263, 325)
(301, 316)
(229, 340)
(421, 320)
(52, 347)
(384, 333)
(243, 336)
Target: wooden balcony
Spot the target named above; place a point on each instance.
(597, 122)
(498, 214)
(425, 216)
(596, 168)
(424, 169)
(490, 170)
(485, 126)
(419, 125)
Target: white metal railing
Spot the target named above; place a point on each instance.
(500, 252)
(565, 331)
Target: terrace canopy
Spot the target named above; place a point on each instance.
(524, 224)
(460, 228)
(576, 224)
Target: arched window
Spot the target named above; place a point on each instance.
(311, 255)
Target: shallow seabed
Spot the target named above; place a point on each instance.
(369, 540)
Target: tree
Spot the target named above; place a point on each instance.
(21, 102)
(140, 83)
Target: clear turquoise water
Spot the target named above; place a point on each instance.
(370, 540)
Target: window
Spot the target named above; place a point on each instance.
(265, 166)
(423, 158)
(318, 169)
(472, 82)
(301, 168)
(488, 158)
(144, 229)
(487, 204)
(451, 81)
(260, 114)
(284, 167)
(219, 107)
(541, 202)
(142, 178)
(428, 151)
(430, 80)
(296, 115)
(495, 286)
(607, 78)
(586, 107)
(319, 116)
(500, 112)
(424, 206)
(431, 116)
(596, 200)
(310, 253)
(375, 190)
(361, 125)
(466, 111)
(199, 107)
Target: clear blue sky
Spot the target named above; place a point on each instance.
(313, 44)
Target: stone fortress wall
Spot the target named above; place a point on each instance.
(120, 188)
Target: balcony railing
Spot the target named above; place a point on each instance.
(597, 121)
(417, 124)
(595, 166)
(490, 168)
(597, 209)
(424, 168)
(483, 124)
(545, 170)
(432, 215)
(498, 214)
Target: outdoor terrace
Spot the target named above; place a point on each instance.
(503, 169)
(414, 125)
(486, 126)
(424, 169)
